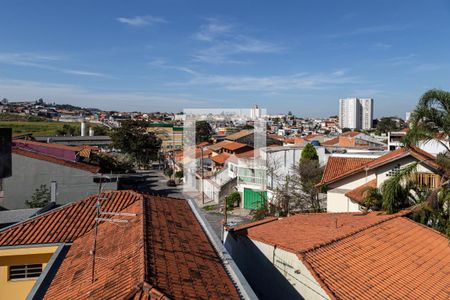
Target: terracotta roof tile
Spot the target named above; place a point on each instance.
(337, 167)
(358, 194)
(238, 135)
(331, 142)
(161, 253)
(67, 223)
(246, 154)
(220, 158)
(232, 146)
(306, 231)
(218, 146)
(396, 259)
(56, 160)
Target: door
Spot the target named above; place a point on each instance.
(254, 199)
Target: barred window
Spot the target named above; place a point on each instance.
(25, 271)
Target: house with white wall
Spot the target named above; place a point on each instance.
(258, 177)
(341, 256)
(35, 164)
(346, 178)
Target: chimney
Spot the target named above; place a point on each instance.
(83, 128)
(91, 131)
(53, 190)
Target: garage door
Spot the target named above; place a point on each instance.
(254, 199)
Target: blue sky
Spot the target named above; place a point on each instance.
(169, 55)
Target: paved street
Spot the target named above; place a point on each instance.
(156, 183)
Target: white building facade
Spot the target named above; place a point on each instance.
(356, 113)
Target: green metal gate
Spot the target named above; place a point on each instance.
(254, 199)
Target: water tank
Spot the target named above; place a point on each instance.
(91, 131)
(83, 128)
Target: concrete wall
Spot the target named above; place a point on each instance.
(338, 202)
(273, 273)
(29, 174)
(216, 192)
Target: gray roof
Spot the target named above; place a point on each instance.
(16, 215)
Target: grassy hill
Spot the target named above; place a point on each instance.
(36, 128)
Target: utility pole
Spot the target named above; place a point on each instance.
(97, 215)
(201, 166)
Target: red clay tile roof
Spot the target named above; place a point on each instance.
(250, 153)
(67, 223)
(238, 135)
(396, 259)
(220, 158)
(219, 145)
(232, 146)
(359, 193)
(306, 231)
(337, 167)
(161, 253)
(340, 167)
(56, 160)
(331, 142)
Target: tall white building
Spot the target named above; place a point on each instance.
(356, 113)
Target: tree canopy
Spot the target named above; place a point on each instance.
(309, 152)
(40, 198)
(203, 132)
(389, 124)
(133, 139)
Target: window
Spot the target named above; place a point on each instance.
(429, 180)
(394, 171)
(25, 271)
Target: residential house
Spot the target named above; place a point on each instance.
(35, 164)
(134, 246)
(258, 177)
(346, 178)
(342, 256)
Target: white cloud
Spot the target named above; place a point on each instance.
(300, 81)
(140, 21)
(226, 41)
(371, 30)
(16, 90)
(382, 45)
(162, 63)
(212, 29)
(43, 61)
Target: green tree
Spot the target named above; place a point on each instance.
(309, 152)
(133, 139)
(233, 199)
(203, 132)
(389, 124)
(40, 198)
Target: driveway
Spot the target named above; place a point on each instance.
(156, 183)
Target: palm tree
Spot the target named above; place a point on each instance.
(398, 192)
(429, 121)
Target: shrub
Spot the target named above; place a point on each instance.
(233, 200)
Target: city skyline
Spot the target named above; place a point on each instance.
(166, 57)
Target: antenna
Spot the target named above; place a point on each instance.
(99, 218)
